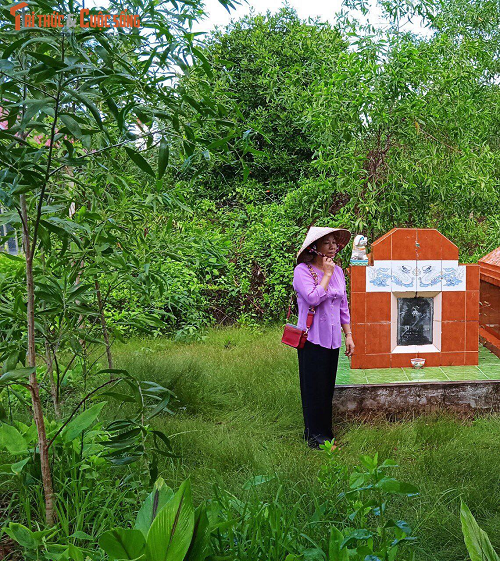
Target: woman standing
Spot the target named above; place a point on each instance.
(320, 284)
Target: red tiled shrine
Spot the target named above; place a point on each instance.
(413, 300)
(489, 296)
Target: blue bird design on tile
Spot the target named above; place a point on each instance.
(382, 276)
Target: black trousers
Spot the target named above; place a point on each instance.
(317, 372)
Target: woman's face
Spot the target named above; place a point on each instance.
(327, 245)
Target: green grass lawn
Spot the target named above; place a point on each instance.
(238, 415)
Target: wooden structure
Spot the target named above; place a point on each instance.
(489, 296)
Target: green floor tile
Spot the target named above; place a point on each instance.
(465, 375)
(491, 374)
(486, 354)
(424, 374)
(430, 369)
(488, 369)
(343, 360)
(357, 378)
(471, 370)
(342, 379)
(418, 375)
(487, 366)
(489, 359)
(430, 380)
(399, 380)
(485, 351)
(427, 378)
(385, 376)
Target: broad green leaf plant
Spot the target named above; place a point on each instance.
(167, 528)
(83, 450)
(476, 540)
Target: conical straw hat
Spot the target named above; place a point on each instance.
(315, 233)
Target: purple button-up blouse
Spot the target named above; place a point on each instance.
(331, 305)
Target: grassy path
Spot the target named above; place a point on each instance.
(239, 415)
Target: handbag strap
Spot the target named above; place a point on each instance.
(312, 309)
(289, 307)
(313, 274)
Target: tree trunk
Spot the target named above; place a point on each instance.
(49, 361)
(31, 359)
(53, 385)
(104, 325)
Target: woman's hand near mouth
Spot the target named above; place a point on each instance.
(328, 266)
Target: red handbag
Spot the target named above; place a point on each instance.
(293, 335)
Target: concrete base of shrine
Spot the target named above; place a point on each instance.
(461, 396)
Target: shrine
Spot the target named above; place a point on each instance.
(414, 300)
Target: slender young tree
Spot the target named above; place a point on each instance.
(81, 90)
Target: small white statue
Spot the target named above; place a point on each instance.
(358, 255)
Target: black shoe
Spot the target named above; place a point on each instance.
(313, 443)
(316, 441)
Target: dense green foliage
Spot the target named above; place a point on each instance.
(285, 123)
(346, 128)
